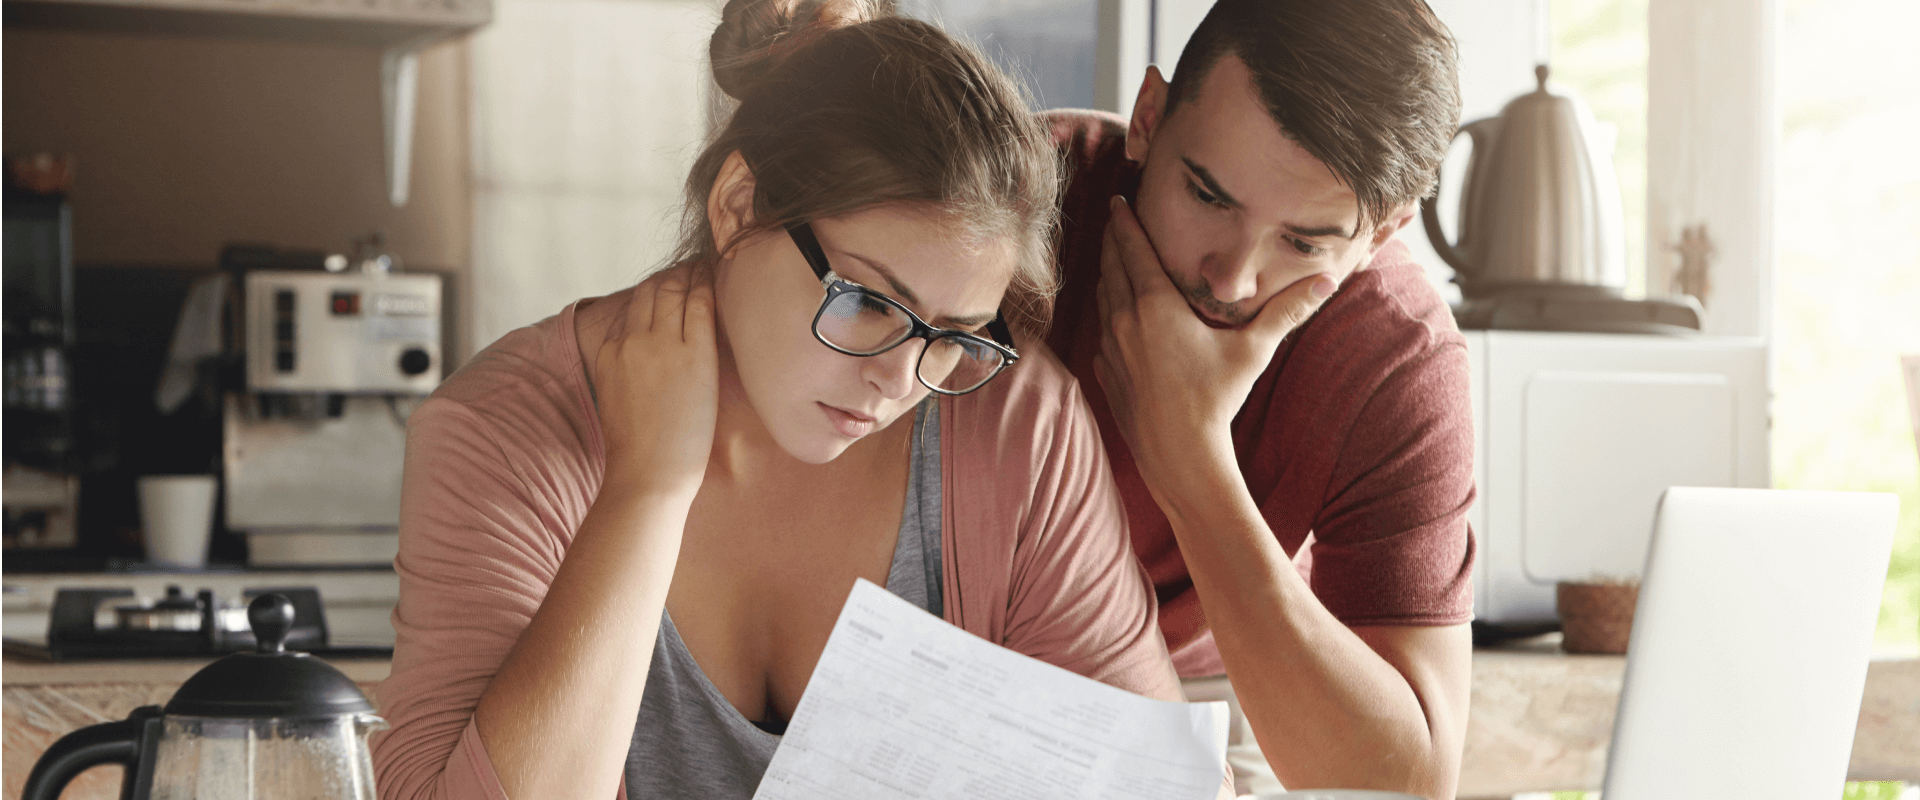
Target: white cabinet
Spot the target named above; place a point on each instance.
(1578, 434)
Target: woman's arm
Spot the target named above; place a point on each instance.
(556, 717)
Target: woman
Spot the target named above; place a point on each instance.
(626, 531)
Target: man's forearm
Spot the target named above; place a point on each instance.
(1328, 711)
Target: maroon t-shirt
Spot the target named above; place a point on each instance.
(1358, 437)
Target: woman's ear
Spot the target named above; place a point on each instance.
(730, 203)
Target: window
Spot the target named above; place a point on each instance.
(1599, 51)
(1847, 296)
(1842, 303)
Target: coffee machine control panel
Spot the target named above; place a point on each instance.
(346, 334)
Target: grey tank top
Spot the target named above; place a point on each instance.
(689, 742)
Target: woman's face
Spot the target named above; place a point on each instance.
(815, 402)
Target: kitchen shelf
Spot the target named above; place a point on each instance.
(379, 23)
(398, 28)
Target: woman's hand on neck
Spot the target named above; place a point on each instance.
(655, 373)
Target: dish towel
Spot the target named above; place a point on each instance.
(196, 337)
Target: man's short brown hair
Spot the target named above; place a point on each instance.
(1368, 87)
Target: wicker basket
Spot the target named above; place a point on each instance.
(1596, 617)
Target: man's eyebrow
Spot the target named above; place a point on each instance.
(904, 293)
(1324, 230)
(1213, 186)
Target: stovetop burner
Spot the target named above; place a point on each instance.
(1575, 309)
(176, 627)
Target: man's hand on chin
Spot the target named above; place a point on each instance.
(1174, 382)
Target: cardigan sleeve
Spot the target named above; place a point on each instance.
(1078, 597)
(1039, 560)
(477, 554)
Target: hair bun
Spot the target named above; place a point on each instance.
(755, 36)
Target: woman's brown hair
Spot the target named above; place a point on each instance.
(844, 106)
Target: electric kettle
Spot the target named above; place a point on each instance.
(264, 725)
(1540, 209)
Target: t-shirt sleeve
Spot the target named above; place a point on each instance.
(1078, 598)
(1391, 544)
(476, 558)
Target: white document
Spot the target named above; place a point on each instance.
(904, 705)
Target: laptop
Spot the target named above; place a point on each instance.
(1750, 644)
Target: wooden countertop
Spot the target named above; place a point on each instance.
(1540, 721)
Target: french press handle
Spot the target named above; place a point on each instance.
(131, 743)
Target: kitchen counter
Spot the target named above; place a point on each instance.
(1540, 719)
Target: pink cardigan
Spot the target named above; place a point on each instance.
(505, 459)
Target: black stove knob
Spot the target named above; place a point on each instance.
(271, 616)
(415, 361)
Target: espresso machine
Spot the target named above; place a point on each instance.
(335, 359)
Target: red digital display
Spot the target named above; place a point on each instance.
(346, 304)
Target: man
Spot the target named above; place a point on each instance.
(1282, 393)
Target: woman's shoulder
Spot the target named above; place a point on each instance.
(543, 354)
(1028, 429)
(527, 389)
(1027, 402)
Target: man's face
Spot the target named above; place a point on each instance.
(1235, 209)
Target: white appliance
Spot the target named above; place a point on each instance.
(314, 449)
(1578, 436)
(342, 333)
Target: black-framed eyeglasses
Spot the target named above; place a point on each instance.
(858, 321)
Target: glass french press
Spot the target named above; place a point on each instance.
(267, 725)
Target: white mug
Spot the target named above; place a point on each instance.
(176, 518)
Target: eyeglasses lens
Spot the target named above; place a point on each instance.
(860, 323)
(952, 364)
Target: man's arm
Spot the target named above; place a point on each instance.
(1375, 707)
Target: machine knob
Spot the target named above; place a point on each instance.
(415, 361)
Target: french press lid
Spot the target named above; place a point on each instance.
(270, 682)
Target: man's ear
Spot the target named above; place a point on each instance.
(1398, 218)
(1149, 109)
(730, 202)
